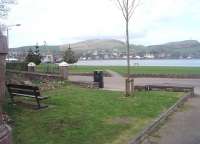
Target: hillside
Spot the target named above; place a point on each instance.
(95, 44)
(80, 46)
(43, 49)
(181, 49)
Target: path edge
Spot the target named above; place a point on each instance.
(159, 121)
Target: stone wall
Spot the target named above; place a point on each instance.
(13, 75)
(2, 80)
(5, 131)
(105, 74)
(179, 76)
(3, 52)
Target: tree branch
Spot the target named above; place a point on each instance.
(133, 8)
(122, 9)
(4, 8)
(125, 5)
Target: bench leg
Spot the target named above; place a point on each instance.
(38, 103)
(39, 106)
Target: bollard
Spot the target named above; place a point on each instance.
(129, 87)
(132, 87)
(31, 67)
(63, 66)
(101, 81)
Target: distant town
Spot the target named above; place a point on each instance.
(112, 49)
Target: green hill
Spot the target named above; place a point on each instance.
(184, 49)
(95, 44)
(43, 49)
(181, 49)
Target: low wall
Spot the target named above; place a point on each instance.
(181, 76)
(23, 75)
(165, 88)
(32, 75)
(90, 74)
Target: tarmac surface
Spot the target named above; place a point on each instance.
(183, 127)
(117, 82)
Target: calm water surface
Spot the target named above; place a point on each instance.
(167, 62)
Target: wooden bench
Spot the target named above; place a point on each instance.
(26, 91)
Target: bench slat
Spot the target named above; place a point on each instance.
(23, 87)
(31, 96)
(22, 91)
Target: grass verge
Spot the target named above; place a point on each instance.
(84, 116)
(140, 69)
(53, 68)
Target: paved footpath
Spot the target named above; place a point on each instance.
(117, 82)
(182, 127)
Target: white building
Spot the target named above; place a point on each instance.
(48, 59)
(149, 56)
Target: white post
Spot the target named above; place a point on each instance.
(31, 67)
(63, 66)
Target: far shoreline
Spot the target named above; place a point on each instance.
(142, 62)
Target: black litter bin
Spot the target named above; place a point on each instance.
(101, 82)
(98, 77)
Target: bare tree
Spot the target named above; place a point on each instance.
(4, 9)
(128, 8)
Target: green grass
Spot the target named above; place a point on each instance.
(47, 68)
(141, 69)
(85, 116)
(160, 70)
(53, 68)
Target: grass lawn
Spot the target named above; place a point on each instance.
(140, 69)
(53, 68)
(85, 116)
(47, 68)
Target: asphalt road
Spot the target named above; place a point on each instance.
(117, 83)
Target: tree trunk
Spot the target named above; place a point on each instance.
(128, 49)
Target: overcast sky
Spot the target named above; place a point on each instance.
(68, 21)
